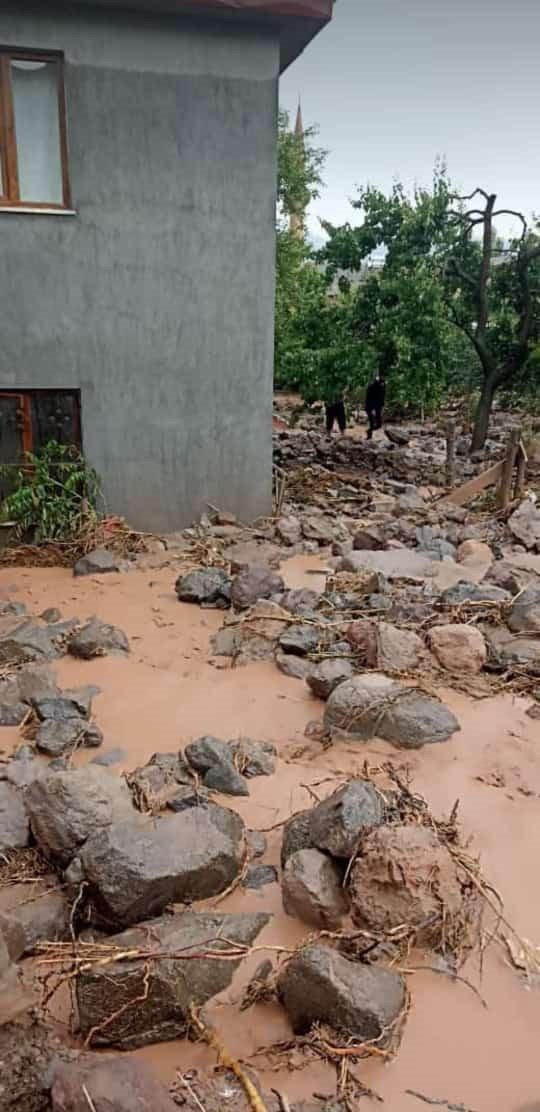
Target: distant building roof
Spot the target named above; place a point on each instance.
(298, 21)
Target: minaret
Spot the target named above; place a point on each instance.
(296, 219)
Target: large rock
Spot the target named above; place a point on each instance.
(96, 638)
(300, 639)
(404, 875)
(30, 1050)
(525, 525)
(373, 705)
(369, 538)
(402, 563)
(134, 868)
(65, 808)
(257, 633)
(253, 583)
(474, 552)
(254, 758)
(14, 827)
(384, 646)
(156, 783)
(296, 835)
(214, 760)
(460, 649)
(463, 592)
(165, 990)
(26, 642)
(337, 823)
(43, 918)
(524, 616)
(320, 986)
(206, 586)
(12, 714)
(112, 1084)
(98, 562)
(55, 738)
(289, 529)
(312, 889)
(324, 677)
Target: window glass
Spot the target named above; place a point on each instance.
(34, 87)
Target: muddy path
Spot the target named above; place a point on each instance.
(482, 1056)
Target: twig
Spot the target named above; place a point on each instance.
(184, 1081)
(91, 1104)
(442, 1102)
(282, 1100)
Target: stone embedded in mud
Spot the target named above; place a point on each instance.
(114, 1084)
(253, 583)
(253, 758)
(474, 552)
(44, 918)
(289, 529)
(405, 875)
(259, 876)
(55, 738)
(524, 616)
(300, 639)
(134, 869)
(209, 587)
(438, 549)
(460, 649)
(402, 563)
(374, 705)
(296, 667)
(14, 825)
(312, 889)
(226, 779)
(320, 986)
(319, 528)
(369, 538)
(156, 784)
(36, 681)
(296, 835)
(98, 562)
(464, 592)
(96, 638)
(12, 714)
(384, 646)
(298, 601)
(256, 843)
(324, 677)
(169, 987)
(213, 758)
(26, 642)
(524, 524)
(337, 823)
(66, 807)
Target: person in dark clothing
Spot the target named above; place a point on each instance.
(336, 413)
(375, 395)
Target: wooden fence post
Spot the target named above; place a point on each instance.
(450, 454)
(504, 493)
(521, 476)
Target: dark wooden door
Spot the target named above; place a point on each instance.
(55, 416)
(14, 437)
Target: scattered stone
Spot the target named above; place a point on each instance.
(12, 714)
(438, 549)
(27, 642)
(402, 563)
(324, 677)
(60, 708)
(300, 601)
(373, 705)
(114, 1084)
(226, 779)
(508, 577)
(52, 614)
(16, 608)
(410, 502)
(56, 738)
(36, 681)
(156, 783)
(14, 825)
(313, 889)
(98, 562)
(370, 538)
(210, 587)
(168, 989)
(474, 552)
(134, 869)
(256, 843)
(258, 876)
(289, 530)
(384, 646)
(253, 552)
(320, 529)
(460, 649)
(525, 525)
(320, 986)
(397, 436)
(214, 760)
(226, 642)
(464, 592)
(524, 616)
(300, 639)
(296, 835)
(21, 773)
(253, 583)
(24, 753)
(254, 758)
(337, 823)
(110, 757)
(66, 807)
(405, 875)
(43, 918)
(96, 638)
(296, 667)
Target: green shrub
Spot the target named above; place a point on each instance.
(55, 494)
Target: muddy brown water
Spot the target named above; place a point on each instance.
(169, 691)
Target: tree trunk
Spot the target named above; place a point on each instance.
(483, 413)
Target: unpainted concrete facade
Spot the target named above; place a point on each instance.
(155, 299)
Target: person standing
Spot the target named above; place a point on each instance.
(375, 395)
(335, 412)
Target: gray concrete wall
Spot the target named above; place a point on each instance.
(156, 299)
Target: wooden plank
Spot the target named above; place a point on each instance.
(467, 492)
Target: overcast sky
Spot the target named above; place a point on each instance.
(393, 84)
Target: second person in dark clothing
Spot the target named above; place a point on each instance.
(375, 395)
(336, 412)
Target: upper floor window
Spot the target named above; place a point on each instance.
(33, 142)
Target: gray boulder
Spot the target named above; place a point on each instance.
(524, 616)
(12, 714)
(524, 524)
(167, 989)
(96, 638)
(337, 823)
(320, 986)
(209, 587)
(464, 592)
(312, 888)
(295, 667)
(44, 918)
(252, 583)
(113, 1084)
(36, 681)
(298, 601)
(134, 868)
(259, 876)
(324, 677)
(296, 836)
(98, 562)
(300, 639)
(55, 738)
(62, 707)
(254, 758)
(373, 705)
(157, 783)
(289, 529)
(213, 759)
(14, 826)
(66, 807)
(226, 779)
(26, 642)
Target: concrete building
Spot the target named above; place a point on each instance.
(137, 217)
